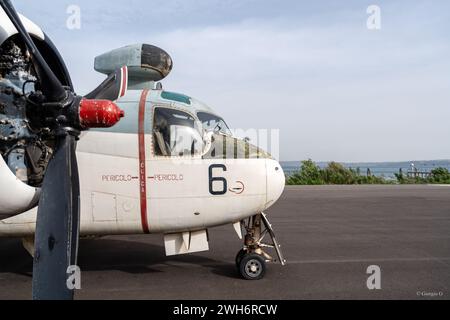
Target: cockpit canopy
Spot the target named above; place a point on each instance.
(177, 133)
(211, 122)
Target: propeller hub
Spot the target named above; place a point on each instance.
(99, 113)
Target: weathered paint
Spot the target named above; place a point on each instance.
(142, 162)
(99, 113)
(173, 96)
(126, 188)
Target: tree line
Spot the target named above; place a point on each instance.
(335, 173)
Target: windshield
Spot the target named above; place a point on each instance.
(176, 133)
(225, 147)
(214, 123)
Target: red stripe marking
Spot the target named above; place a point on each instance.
(142, 169)
(124, 81)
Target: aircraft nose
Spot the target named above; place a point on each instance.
(275, 182)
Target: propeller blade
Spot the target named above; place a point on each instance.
(57, 225)
(114, 86)
(51, 86)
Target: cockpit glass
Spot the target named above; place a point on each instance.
(212, 122)
(176, 133)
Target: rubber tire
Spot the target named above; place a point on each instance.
(255, 259)
(239, 257)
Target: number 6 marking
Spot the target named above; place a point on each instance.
(212, 179)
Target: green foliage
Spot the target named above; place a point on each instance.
(402, 179)
(439, 175)
(309, 174)
(334, 173)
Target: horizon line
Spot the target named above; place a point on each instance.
(390, 161)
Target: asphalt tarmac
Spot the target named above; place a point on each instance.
(330, 236)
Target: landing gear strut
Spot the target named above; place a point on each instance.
(251, 259)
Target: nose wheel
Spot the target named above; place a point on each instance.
(252, 258)
(252, 266)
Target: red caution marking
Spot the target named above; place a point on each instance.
(124, 84)
(142, 170)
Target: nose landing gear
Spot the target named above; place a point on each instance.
(251, 259)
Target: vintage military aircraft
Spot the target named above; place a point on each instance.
(170, 166)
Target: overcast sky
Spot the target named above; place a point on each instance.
(334, 88)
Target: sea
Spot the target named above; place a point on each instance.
(381, 169)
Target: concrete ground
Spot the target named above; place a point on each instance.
(330, 235)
